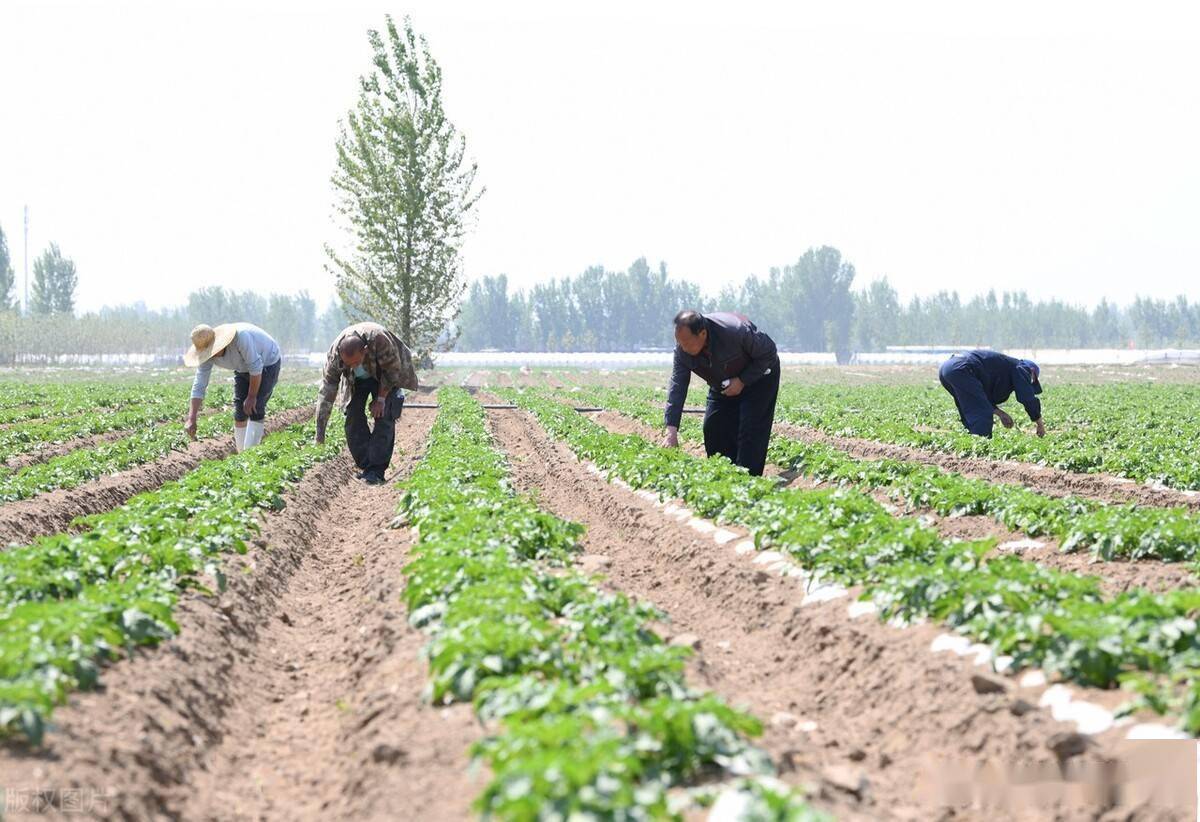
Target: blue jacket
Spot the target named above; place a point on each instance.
(1001, 376)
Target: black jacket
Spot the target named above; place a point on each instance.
(736, 348)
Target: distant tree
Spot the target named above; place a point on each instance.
(54, 283)
(877, 317)
(406, 193)
(252, 307)
(552, 312)
(7, 277)
(590, 308)
(989, 321)
(211, 305)
(489, 318)
(652, 299)
(306, 321)
(283, 320)
(761, 301)
(526, 336)
(332, 320)
(1106, 325)
(816, 292)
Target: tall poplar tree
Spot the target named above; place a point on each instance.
(54, 283)
(405, 192)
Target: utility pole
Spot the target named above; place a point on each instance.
(27, 260)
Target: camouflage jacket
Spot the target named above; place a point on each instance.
(388, 360)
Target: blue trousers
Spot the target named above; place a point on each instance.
(974, 407)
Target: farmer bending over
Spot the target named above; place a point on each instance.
(741, 367)
(981, 380)
(367, 359)
(254, 358)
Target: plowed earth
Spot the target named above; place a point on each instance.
(296, 694)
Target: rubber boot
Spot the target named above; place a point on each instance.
(254, 433)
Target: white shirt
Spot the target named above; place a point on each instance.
(251, 350)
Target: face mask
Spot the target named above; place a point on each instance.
(360, 372)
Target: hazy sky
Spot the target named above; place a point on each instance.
(1048, 146)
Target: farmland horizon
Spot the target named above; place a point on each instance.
(357, 460)
(1054, 158)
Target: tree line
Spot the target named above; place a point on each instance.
(292, 319)
(51, 328)
(808, 305)
(598, 310)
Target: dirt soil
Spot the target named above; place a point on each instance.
(1116, 576)
(1049, 481)
(621, 424)
(888, 714)
(476, 380)
(296, 695)
(23, 521)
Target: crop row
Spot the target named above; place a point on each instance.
(83, 397)
(589, 711)
(71, 602)
(1031, 616)
(135, 411)
(152, 442)
(1144, 432)
(18, 393)
(1129, 531)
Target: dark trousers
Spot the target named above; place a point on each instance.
(372, 447)
(241, 389)
(740, 427)
(974, 407)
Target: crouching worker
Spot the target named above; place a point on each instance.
(254, 358)
(741, 366)
(370, 362)
(981, 380)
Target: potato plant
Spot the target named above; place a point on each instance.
(1036, 616)
(1109, 531)
(71, 602)
(151, 442)
(588, 710)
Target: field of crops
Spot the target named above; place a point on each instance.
(545, 614)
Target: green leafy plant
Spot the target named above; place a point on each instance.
(70, 602)
(1035, 615)
(152, 441)
(1110, 531)
(593, 717)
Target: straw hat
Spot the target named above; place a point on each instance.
(206, 341)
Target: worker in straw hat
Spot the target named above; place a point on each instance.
(254, 358)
